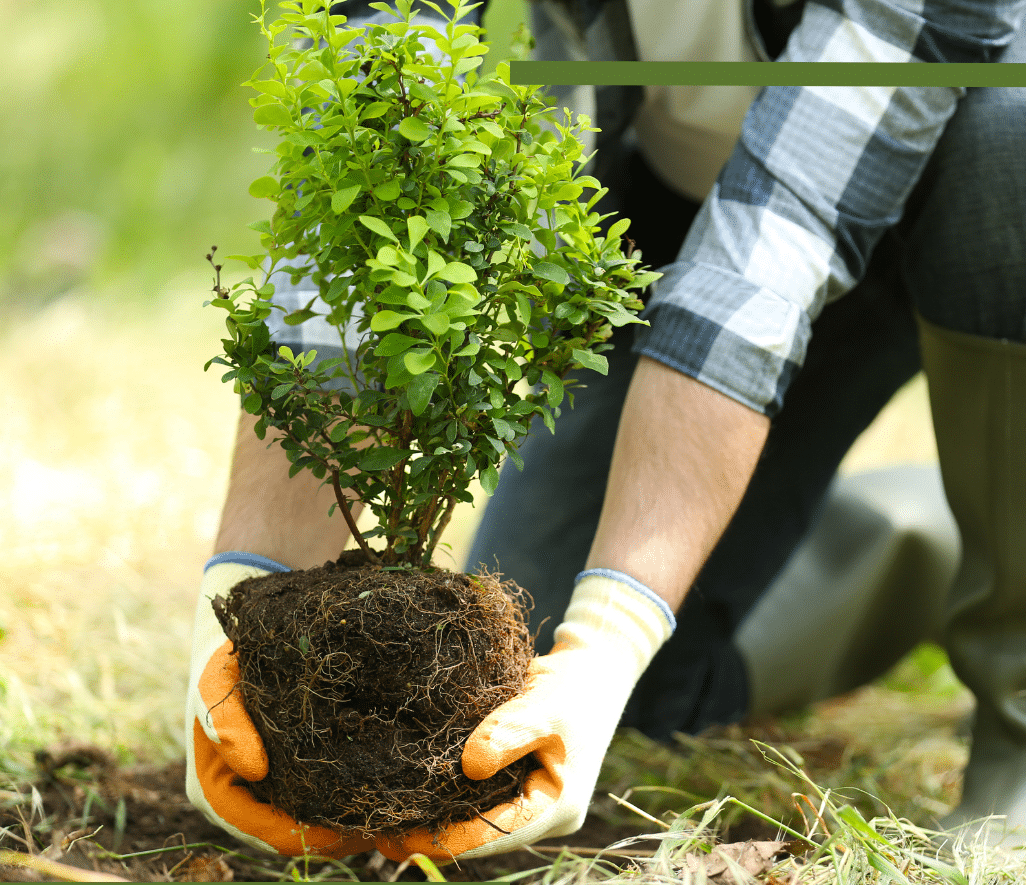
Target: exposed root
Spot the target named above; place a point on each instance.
(365, 683)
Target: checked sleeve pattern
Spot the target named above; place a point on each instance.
(816, 178)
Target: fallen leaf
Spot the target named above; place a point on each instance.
(206, 868)
(754, 858)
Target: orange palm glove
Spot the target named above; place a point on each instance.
(223, 747)
(566, 716)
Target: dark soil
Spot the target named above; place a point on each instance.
(364, 684)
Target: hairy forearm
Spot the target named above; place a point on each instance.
(268, 513)
(684, 456)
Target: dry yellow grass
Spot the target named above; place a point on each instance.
(116, 449)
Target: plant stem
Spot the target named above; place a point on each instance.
(432, 542)
(347, 513)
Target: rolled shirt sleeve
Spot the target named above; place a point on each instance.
(815, 179)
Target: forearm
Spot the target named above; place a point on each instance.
(684, 456)
(265, 512)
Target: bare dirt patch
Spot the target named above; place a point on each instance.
(136, 823)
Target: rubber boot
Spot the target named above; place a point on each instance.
(866, 586)
(978, 397)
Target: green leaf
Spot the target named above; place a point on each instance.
(619, 228)
(381, 458)
(396, 342)
(503, 429)
(384, 320)
(419, 391)
(417, 362)
(467, 64)
(343, 199)
(435, 323)
(469, 349)
(379, 227)
(519, 230)
(417, 227)
(594, 361)
(554, 395)
(489, 479)
(646, 278)
(524, 308)
(440, 222)
(265, 188)
(414, 129)
(435, 263)
(403, 279)
(397, 376)
(553, 272)
(458, 272)
(272, 115)
(374, 110)
(272, 87)
(388, 255)
(388, 190)
(617, 314)
(297, 317)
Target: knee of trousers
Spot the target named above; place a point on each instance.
(965, 226)
(986, 132)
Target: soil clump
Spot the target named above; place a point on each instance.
(364, 683)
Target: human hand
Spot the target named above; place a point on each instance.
(223, 748)
(566, 716)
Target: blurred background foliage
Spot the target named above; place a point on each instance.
(128, 141)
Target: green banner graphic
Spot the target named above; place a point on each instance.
(669, 73)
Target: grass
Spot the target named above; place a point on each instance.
(836, 844)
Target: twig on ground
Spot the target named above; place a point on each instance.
(52, 869)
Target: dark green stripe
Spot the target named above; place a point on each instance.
(671, 73)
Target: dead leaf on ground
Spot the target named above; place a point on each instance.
(754, 858)
(206, 868)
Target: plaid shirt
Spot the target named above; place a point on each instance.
(816, 178)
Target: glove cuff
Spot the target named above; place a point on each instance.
(636, 585)
(240, 557)
(612, 610)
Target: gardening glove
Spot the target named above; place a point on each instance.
(223, 747)
(566, 716)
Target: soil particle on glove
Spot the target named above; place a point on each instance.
(364, 684)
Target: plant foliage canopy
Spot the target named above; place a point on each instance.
(447, 224)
